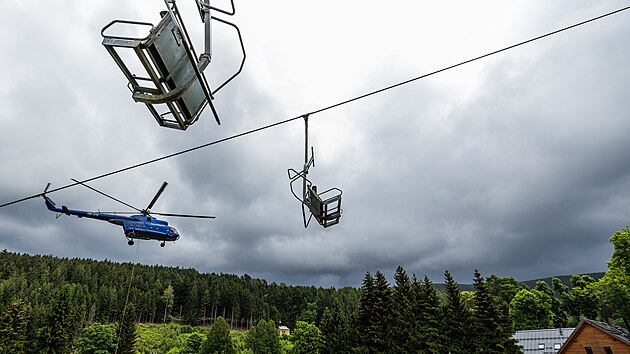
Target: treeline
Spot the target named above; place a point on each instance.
(100, 289)
(48, 304)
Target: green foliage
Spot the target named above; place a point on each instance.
(163, 338)
(14, 329)
(531, 309)
(161, 294)
(559, 315)
(335, 328)
(168, 298)
(614, 287)
(429, 337)
(263, 338)
(61, 325)
(97, 339)
(306, 338)
(457, 318)
(374, 309)
(402, 324)
(193, 342)
(218, 339)
(581, 300)
(492, 334)
(126, 330)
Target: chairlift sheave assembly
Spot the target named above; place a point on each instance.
(142, 226)
(172, 83)
(324, 206)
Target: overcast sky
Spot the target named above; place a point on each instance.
(516, 165)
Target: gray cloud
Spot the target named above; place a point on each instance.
(514, 165)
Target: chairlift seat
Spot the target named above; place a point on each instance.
(325, 206)
(174, 75)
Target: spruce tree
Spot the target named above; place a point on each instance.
(366, 305)
(486, 324)
(14, 329)
(492, 333)
(428, 317)
(374, 308)
(126, 331)
(60, 327)
(402, 323)
(335, 330)
(457, 319)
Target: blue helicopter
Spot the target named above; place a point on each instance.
(142, 226)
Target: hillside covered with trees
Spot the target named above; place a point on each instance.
(49, 304)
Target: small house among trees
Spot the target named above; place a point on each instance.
(593, 337)
(284, 330)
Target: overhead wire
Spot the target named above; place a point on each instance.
(232, 137)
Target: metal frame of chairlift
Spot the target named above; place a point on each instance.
(171, 65)
(324, 206)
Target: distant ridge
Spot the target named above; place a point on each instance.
(565, 279)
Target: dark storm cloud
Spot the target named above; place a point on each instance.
(517, 170)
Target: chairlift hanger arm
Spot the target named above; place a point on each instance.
(240, 38)
(204, 7)
(206, 56)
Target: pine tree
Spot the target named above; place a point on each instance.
(402, 324)
(60, 327)
(14, 329)
(457, 319)
(374, 309)
(492, 335)
(427, 317)
(126, 330)
(366, 304)
(335, 330)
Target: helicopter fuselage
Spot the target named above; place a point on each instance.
(144, 227)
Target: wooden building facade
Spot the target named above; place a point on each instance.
(593, 337)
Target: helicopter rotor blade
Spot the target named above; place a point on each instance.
(46, 189)
(186, 215)
(157, 195)
(108, 196)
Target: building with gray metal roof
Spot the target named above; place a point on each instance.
(543, 341)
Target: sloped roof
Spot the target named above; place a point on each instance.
(531, 339)
(618, 333)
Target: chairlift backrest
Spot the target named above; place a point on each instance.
(171, 83)
(327, 211)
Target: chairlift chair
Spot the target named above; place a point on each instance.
(324, 206)
(173, 76)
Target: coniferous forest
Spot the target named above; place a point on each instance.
(53, 305)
